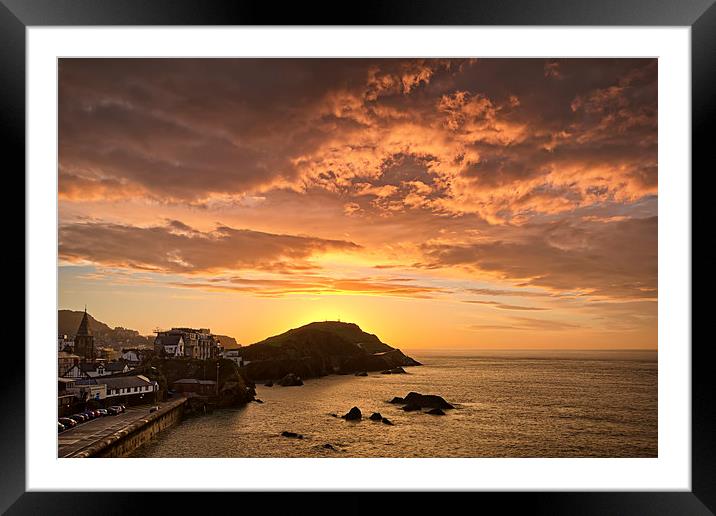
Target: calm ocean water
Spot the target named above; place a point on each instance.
(508, 404)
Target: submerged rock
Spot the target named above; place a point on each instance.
(362, 373)
(353, 414)
(375, 416)
(387, 421)
(411, 407)
(436, 412)
(293, 435)
(395, 370)
(290, 380)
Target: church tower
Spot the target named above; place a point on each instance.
(84, 340)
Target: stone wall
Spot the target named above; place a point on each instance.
(125, 441)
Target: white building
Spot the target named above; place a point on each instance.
(233, 355)
(171, 344)
(64, 342)
(88, 389)
(134, 386)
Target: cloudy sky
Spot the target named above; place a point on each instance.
(438, 203)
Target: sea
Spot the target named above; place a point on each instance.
(507, 404)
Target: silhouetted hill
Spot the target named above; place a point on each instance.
(69, 320)
(348, 332)
(321, 348)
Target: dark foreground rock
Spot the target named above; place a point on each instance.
(436, 412)
(292, 435)
(411, 407)
(290, 380)
(427, 401)
(375, 416)
(258, 400)
(362, 373)
(268, 384)
(353, 414)
(387, 421)
(329, 446)
(397, 401)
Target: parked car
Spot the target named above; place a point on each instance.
(103, 412)
(88, 414)
(60, 427)
(124, 409)
(114, 410)
(153, 409)
(98, 413)
(78, 418)
(67, 422)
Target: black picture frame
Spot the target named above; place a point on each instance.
(17, 15)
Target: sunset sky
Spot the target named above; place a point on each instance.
(451, 203)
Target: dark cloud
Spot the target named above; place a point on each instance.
(617, 259)
(176, 247)
(505, 138)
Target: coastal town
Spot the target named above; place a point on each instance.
(113, 397)
(112, 380)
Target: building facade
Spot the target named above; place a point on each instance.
(134, 389)
(187, 342)
(234, 356)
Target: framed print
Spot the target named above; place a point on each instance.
(442, 248)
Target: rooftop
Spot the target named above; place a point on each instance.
(124, 381)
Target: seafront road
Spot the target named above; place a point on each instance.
(85, 434)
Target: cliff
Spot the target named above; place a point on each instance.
(319, 349)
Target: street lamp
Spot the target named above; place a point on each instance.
(217, 378)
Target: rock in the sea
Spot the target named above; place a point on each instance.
(362, 373)
(290, 380)
(410, 407)
(268, 384)
(395, 370)
(258, 400)
(387, 421)
(436, 412)
(397, 401)
(292, 434)
(328, 446)
(353, 414)
(427, 401)
(375, 416)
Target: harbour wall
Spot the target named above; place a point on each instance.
(125, 441)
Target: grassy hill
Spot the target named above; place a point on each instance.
(318, 349)
(346, 332)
